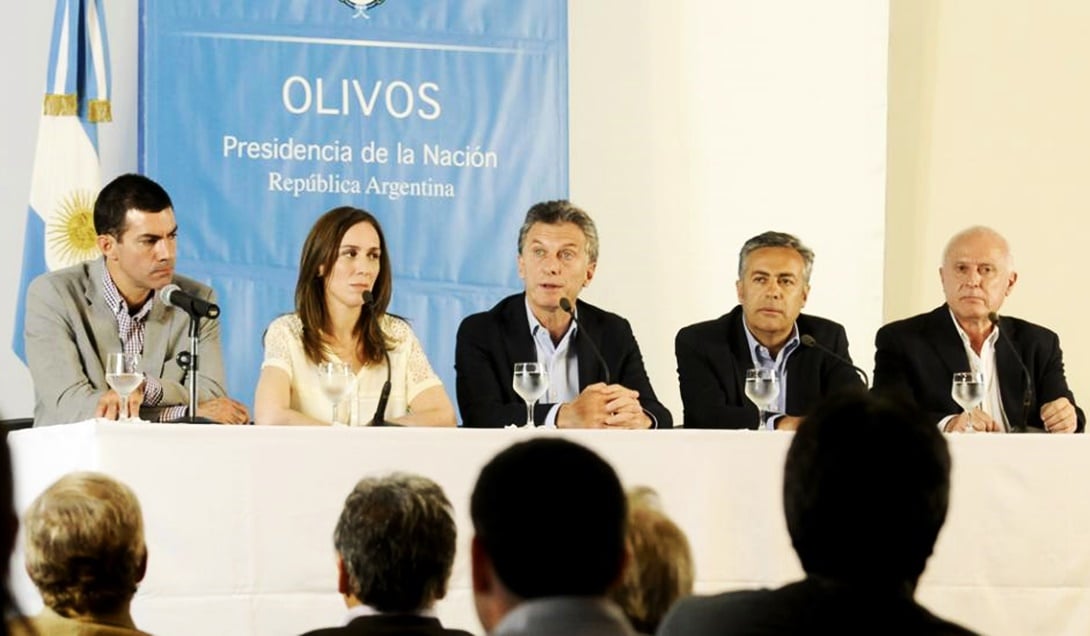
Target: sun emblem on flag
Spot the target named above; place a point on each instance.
(70, 234)
(362, 7)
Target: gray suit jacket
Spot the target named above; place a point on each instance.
(567, 615)
(70, 330)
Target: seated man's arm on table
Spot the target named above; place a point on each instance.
(1056, 402)
(896, 374)
(632, 375)
(483, 388)
(705, 401)
(57, 368)
(212, 400)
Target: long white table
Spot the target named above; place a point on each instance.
(240, 519)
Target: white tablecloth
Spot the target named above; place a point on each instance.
(240, 519)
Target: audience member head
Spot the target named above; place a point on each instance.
(342, 250)
(977, 273)
(866, 487)
(125, 193)
(395, 542)
(9, 527)
(549, 517)
(661, 570)
(85, 547)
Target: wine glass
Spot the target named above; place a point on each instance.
(967, 390)
(530, 382)
(762, 388)
(124, 376)
(335, 379)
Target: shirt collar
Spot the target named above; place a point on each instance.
(116, 302)
(990, 340)
(759, 351)
(536, 325)
(357, 611)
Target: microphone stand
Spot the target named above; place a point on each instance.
(190, 361)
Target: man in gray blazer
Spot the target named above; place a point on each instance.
(549, 518)
(77, 316)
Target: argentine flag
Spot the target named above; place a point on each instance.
(66, 178)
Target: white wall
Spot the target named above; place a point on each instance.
(990, 124)
(694, 125)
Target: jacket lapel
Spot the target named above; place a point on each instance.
(743, 359)
(1012, 383)
(944, 339)
(156, 332)
(517, 340)
(103, 321)
(590, 369)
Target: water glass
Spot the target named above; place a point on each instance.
(124, 376)
(530, 381)
(762, 388)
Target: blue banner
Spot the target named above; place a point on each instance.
(446, 119)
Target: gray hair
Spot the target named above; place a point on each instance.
(561, 211)
(777, 239)
(979, 230)
(396, 536)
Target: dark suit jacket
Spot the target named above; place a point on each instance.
(809, 606)
(713, 356)
(390, 625)
(490, 343)
(917, 357)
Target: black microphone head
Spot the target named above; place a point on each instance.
(808, 340)
(368, 297)
(166, 292)
(993, 317)
(565, 304)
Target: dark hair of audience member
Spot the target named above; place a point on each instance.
(127, 192)
(661, 569)
(397, 537)
(550, 514)
(866, 488)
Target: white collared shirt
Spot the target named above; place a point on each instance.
(560, 362)
(984, 363)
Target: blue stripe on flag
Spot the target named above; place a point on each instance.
(33, 261)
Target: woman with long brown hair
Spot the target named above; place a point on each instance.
(344, 259)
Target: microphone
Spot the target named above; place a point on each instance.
(1027, 393)
(173, 296)
(809, 341)
(380, 411)
(565, 304)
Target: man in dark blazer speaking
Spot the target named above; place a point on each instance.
(596, 373)
(809, 355)
(1025, 389)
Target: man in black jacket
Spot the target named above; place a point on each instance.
(765, 330)
(1025, 389)
(866, 486)
(395, 543)
(596, 373)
